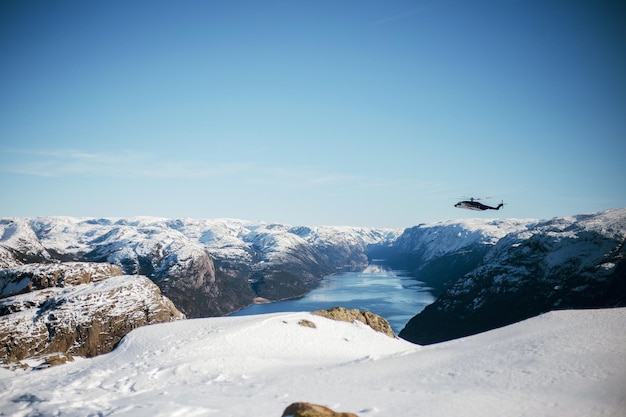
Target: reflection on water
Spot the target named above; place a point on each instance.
(392, 294)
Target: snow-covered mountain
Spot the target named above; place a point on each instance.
(206, 267)
(565, 363)
(568, 262)
(441, 253)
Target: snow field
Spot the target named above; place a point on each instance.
(560, 364)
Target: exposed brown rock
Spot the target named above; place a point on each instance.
(307, 323)
(375, 321)
(26, 278)
(303, 409)
(57, 359)
(83, 320)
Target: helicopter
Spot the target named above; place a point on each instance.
(473, 204)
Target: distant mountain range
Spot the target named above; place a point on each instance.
(486, 273)
(207, 267)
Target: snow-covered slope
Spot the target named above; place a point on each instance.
(566, 363)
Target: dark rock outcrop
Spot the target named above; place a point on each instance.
(304, 409)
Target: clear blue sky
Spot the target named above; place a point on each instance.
(337, 112)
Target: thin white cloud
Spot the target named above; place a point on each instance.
(140, 165)
(133, 164)
(58, 163)
(190, 169)
(298, 177)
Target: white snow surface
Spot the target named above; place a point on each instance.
(565, 363)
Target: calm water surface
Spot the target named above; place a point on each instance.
(392, 294)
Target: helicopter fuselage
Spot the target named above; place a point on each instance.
(475, 205)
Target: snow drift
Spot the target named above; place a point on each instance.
(566, 363)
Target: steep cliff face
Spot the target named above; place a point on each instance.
(573, 262)
(78, 309)
(199, 290)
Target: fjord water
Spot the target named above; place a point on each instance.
(392, 294)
